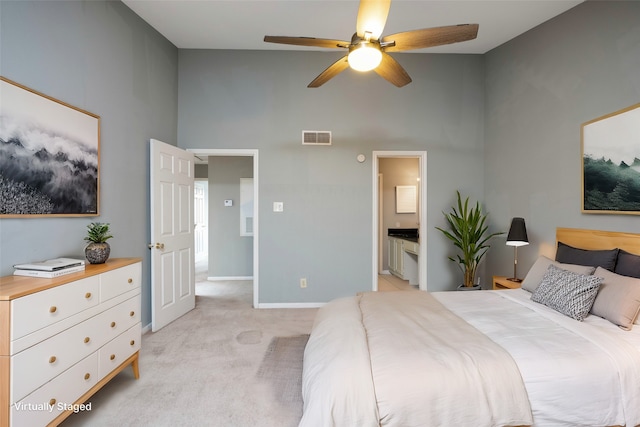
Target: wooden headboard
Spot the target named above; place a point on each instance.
(596, 239)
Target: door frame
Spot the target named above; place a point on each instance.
(422, 229)
(243, 152)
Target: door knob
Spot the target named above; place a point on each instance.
(157, 245)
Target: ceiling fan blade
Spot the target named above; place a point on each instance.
(372, 16)
(307, 41)
(392, 71)
(429, 37)
(333, 70)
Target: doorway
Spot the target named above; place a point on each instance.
(379, 231)
(201, 218)
(254, 155)
(201, 226)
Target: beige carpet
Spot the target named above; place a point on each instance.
(222, 364)
(281, 369)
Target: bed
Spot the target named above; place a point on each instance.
(518, 357)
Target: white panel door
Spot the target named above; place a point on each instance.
(172, 242)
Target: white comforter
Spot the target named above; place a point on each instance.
(379, 359)
(576, 373)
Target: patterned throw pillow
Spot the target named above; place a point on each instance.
(566, 292)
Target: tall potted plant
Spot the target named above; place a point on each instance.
(467, 231)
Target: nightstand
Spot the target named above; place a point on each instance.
(501, 282)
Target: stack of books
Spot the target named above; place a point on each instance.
(49, 268)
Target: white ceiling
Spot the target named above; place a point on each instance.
(242, 24)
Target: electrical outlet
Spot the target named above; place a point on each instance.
(303, 282)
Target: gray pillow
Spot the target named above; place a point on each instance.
(628, 264)
(535, 274)
(618, 299)
(567, 292)
(596, 258)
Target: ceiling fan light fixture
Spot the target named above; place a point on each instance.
(364, 57)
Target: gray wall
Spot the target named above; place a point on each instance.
(259, 100)
(540, 88)
(507, 122)
(101, 57)
(230, 255)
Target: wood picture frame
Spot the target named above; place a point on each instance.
(49, 156)
(611, 163)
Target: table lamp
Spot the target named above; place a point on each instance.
(517, 237)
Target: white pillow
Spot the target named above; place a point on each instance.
(540, 267)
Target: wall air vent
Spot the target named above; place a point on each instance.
(316, 137)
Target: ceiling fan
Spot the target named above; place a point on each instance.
(368, 51)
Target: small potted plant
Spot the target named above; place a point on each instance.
(98, 250)
(468, 234)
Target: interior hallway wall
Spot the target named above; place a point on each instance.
(230, 254)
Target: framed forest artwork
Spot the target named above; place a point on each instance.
(611, 163)
(49, 155)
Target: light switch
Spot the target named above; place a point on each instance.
(228, 202)
(278, 207)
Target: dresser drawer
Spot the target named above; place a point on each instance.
(118, 320)
(66, 388)
(117, 351)
(38, 364)
(35, 311)
(116, 282)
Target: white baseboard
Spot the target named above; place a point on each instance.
(146, 329)
(385, 272)
(292, 305)
(220, 278)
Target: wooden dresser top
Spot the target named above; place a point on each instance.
(12, 287)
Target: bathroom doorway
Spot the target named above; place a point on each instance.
(385, 212)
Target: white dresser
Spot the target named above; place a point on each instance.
(62, 339)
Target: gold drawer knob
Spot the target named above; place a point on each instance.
(87, 295)
(113, 324)
(53, 309)
(112, 357)
(52, 359)
(132, 313)
(132, 342)
(52, 402)
(86, 340)
(130, 280)
(87, 376)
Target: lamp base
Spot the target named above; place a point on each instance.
(514, 279)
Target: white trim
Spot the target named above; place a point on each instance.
(292, 305)
(221, 278)
(230, 152)
(250, 153)
(380, 184)
(422, 230)
(146, 329)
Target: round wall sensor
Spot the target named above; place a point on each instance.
(361, 158)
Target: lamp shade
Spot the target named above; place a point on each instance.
(517, 233)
